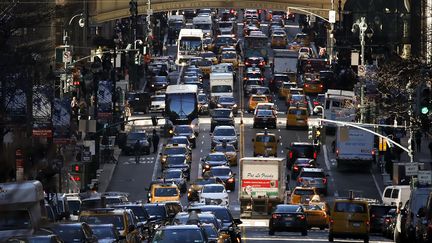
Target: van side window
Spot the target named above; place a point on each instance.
(395, 193)
(387, 192)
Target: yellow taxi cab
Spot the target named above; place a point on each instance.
(170, 149)
(255, 99)
(312, 84)
(229, 57)
(265, 144)
(163, 192)
(205, 66)
(209, 55)
(349, 218)
(304, 195)
(317, 215)
(293, 91)
(229, 150)
(122, 217)
(297, 117)
(279, 41)
(285, 88)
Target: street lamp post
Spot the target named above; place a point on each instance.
(67, 57)
(362, 26)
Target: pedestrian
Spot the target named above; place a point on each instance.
(155, 141)
(137, 151)
(418, 137)
(127, 111)
(132, 235)
(74, 107)
(430, 148)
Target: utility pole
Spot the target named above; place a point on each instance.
(362, 25)
(411, 120)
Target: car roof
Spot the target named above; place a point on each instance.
(220, 167)
(301, 143)
(224, 127)
(184, 226)
(216, 153)
(312, 170)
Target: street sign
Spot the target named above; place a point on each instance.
(67, 57)
(332, 16)
(361, 71)
(411, 169)
(424, 177)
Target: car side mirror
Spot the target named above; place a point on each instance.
(238, 221)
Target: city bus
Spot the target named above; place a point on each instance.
(181, 104)
(256, 46)
(339, 105)
(190, 45)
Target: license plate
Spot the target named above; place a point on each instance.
(287, 223)
(356, 224)
(269, 149)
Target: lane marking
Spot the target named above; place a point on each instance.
(156, 167)
(376, 183)
(199, 169)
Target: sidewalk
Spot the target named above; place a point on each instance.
(108, 171)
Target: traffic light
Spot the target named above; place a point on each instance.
(76, 168)
(133, 8)
(76, 77)
(312, 132)
(138, 58)
(425, 101)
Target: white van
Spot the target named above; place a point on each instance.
(393, 195)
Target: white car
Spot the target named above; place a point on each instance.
(157, 103)
(214, 194)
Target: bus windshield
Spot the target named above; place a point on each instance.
(190, 45)
(181, 105)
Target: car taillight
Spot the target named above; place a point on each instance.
(261, 79)
(275, 216)
(387, 220)
(307, 85)
(316, 103)
(321, 86)
(247, 63)
(290, 155)
(367, 222)
(300, 180)
(324, 180)
(337, 152)
(301, 217)
(315, 155)
(373, 215)
(296, 168)
(259, 11)
(231, 180)
(232, 11)
(331, 221)
(373, 152)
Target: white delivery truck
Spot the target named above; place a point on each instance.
(285, 61)
(354, 147)
(221, 84)
(262, 185)
(22, 208)
(205, 23)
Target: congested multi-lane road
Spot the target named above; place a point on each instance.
(135, 178)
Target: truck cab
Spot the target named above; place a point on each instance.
(22, 207)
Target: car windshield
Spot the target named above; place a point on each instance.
(299, 112)
(166, 192)
(259, 98)
(178, 236)
(157, 211)
(305, 151)
(254, 75)
(221, 113)
(312, 207)
(104, 232)
(215, 157)
(14, 219)
(297, 98)
(72, 234)
(225, 99)
(139, 211)
(158, 98)
(74, 205)
(224, 132)
(175, 151)
(210, 230)
(175, 160)
(380, 210)
(312, 174)
(264, 113)
(221, 213)
(183, 129)
(213, 189)
(229, 55)
(350, 207)
(178, 140)
(210, 180)
(265, 139)
(136, 135)
(221, 148)
(208, 55)
(116, 220)
(302, 192)
(172, 174)
(288, 209)
(202, 97)
(221, 171)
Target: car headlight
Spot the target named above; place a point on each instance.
(235, 105)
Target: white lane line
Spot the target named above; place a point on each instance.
(199, 170)
(180, 74)
(376, 182)
(327, 162)
(156, 167)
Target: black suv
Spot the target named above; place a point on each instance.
(377, 214)
(221, 116)
(132, 138)
(300, 150)
(139, 101)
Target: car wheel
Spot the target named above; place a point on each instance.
(271, 232)
(330, 238)
(304, 233)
